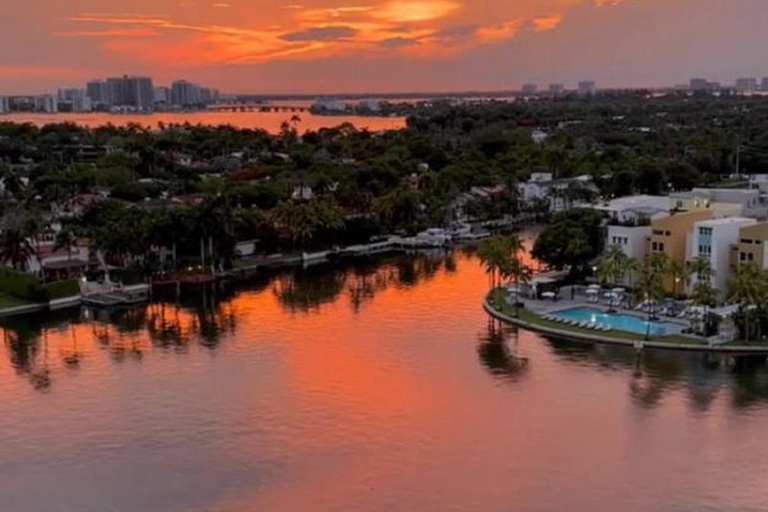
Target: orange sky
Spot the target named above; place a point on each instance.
(376, 45)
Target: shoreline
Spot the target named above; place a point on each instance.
(609, 340)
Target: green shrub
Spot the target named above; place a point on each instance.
(22, 286)
(62, 289)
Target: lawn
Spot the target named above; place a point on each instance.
(496, 299)
(7, 301)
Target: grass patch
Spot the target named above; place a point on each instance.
(8, 301)
(496, 300)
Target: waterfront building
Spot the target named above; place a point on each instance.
(77, 99)
(751, 247)
(746, 85)
(724, 202)
(98, 92)
(529, 89)
(5, 105)
(712, 239)
(557, 194)
(46, 103)
(184, 94)
(671, 236)
(133, 92)
(162, 95)
(633, 210)
(556, 89)
(587, 87)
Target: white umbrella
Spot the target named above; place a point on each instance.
(618, 290)
(592, 291)
(593, 287)
(548, 295)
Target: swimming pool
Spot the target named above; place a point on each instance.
(618, 321)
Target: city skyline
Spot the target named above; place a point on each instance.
(326, 46)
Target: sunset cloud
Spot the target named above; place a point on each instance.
(376, 44)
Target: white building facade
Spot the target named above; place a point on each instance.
(712, 239)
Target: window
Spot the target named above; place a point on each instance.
(657, 247)
(658, 232)
(746, 257)
(747, 241)
(705, 231)
(679, 204)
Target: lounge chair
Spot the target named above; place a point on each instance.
(606, 328)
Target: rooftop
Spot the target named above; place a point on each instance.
(726, 221)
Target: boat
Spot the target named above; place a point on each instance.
(433, 237)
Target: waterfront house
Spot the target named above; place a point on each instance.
(633, 210)
(712, 239)
(559, 194)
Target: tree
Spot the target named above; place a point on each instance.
(704, 296)
(745, 289)
(494, 254)
(679, 273)
(16, 241)
(650, 285)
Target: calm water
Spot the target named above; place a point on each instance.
(269, 121)
(378, 387)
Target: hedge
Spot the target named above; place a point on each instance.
(22, 286)
(62, 289)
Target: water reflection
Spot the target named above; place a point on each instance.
(495, 353)
(652, 374)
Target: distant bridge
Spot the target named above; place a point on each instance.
(257, 107)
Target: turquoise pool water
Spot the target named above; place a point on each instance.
(619, 321)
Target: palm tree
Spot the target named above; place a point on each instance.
(493, 258)
(703, 295)
(611, 267)
(16, 242)
(679, 272)
(650, 284)
(514, 268)
(744, 288)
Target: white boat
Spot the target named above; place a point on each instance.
(433, 237)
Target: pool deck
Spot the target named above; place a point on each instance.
(544, 307)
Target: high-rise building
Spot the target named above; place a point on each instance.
(529, 89)
(98, 92)
(746, 85)
(556, 89)
(77, 99)
(184, 94)
(46, 103)
(698, 84)
(764, 84)
(5, 106)
(587, 87)
(162, 95)
(135, 92)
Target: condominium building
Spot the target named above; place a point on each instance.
(134, 92)
(752, 246)
(556, 89)
(5, 106)
(671, 236)
(746, 85)
(712, 239)
(587, 87)
(76, 99)
(530, 89)
(98, 92)
(724, 202)
(184, 93)
(46, 103)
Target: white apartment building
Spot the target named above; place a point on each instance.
(632, 240)
(713, 240)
